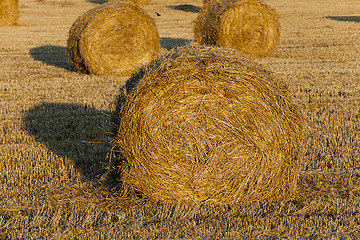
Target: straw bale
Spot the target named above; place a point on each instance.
(113, 39)
(249, 26)
(207, 125)
(8, 12)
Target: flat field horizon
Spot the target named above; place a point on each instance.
(55, 122)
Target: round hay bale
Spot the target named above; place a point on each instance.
(249, 26)
(9, 12)
(113, 39)
(207, 125)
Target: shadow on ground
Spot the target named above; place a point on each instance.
(186, 8)
(345, 18)
(53, 55)
(98, 1)
(170, 43)
(74, 131)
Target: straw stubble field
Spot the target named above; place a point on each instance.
(53, 124)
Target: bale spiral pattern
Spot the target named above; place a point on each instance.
(9, 12)
(205, 124)
(113, 39)
(249, 26)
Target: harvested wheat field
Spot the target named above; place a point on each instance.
(55, 131)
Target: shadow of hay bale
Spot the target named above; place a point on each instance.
(98, 1)
(73, 131)
(53, 55)
(170, 43)
(186, 8)
(329, 183)
(344, 18)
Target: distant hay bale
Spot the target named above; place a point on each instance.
(249, 26)
(205, 124)
(113, 39)
(9, 12)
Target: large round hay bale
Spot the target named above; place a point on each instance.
(205, 124)
(249, 26)
(9, 12)
(113, 39)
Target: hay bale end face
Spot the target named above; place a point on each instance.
(249, 26)
(9, 12)
(113, 39)
(205, 124)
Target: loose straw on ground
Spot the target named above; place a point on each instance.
(140, 2)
